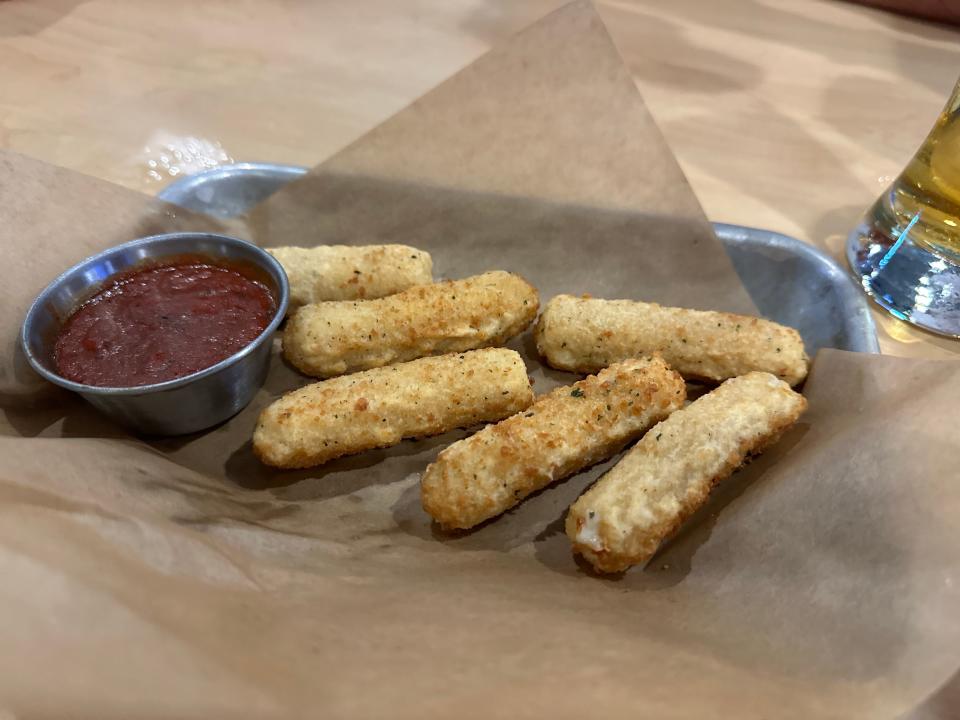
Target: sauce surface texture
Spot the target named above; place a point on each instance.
(162, 323)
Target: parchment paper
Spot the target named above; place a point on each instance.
(179, 578)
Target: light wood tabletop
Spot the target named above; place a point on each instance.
(790, 115)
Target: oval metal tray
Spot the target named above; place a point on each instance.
(790, 281)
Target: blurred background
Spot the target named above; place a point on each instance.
(791, 115)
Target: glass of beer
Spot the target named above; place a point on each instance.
(906, 250)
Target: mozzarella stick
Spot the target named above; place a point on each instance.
(345, 272)
(563, 432)
(666, 476)
(585, 334)
(379, 408)
(327, 339)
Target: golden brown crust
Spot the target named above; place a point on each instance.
(348, 272)
(327, 339)
(563, 432)
(584, 334)
(669, 474)
(379, 408)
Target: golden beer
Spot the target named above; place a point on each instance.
(906, 250)
(929, 187)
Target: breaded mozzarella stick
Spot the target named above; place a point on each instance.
(378, 408)
(346, 272)
(585, 334)
(564, 431)
(326, 339)
(666, 476)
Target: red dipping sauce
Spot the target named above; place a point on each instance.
(162, 323)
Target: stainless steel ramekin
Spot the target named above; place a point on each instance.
(174, 407)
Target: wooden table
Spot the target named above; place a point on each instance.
(785, 114)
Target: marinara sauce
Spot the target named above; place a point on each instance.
(161, 323)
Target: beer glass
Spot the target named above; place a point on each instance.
(906, 250)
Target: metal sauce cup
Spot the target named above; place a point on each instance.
(193, 402)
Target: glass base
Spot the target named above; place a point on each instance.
(909, 281)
